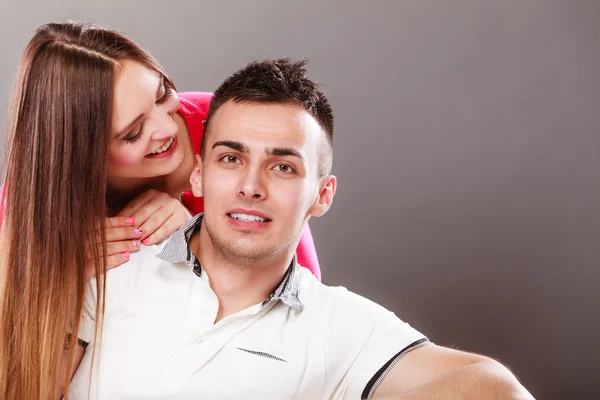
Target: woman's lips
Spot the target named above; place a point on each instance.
(166, 152)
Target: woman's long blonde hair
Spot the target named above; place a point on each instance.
(58, 143)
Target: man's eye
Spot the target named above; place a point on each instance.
(284, 168)
(231, 159)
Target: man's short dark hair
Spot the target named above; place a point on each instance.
(280, 81)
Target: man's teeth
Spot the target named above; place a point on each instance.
(248, 218)
(165, 147)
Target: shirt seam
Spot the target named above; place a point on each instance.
(392, 362)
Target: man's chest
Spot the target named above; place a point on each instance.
(265, 355)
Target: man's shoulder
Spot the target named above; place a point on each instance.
(143, 263)
(144, 270)
(313, 289)
(148, 253)
(338, 299)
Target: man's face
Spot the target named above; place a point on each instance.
(259, 178)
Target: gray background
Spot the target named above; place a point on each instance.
(466, 148)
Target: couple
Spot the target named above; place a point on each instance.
(221, 308)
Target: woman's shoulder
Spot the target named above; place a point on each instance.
(193, 107)
(194, 103)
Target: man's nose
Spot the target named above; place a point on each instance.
(252, 185)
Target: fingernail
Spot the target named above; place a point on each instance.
(137, 231)
(126, 254)
(145, 241)
(130, 220)
(137, 243)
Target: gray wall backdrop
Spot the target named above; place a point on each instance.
(466, 148)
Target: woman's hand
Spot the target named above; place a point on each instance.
(157, 214)
(122, 238)
(147, 219)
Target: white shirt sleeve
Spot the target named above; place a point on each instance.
(87, 322)
(363, 342)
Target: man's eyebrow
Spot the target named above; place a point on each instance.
(283, 151)
(242, 148)
(129, 126)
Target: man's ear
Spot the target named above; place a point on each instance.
(325, 196)
(196, 177)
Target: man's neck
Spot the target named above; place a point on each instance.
(238, 287)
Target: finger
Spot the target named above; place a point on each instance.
(117, 259)
(131, 246)
(120, 234)
(140, 201)
(163, 232)
(155, 222)
(115, 222)
(160, 201)
(172, 223)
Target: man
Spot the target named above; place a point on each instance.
(248, 322)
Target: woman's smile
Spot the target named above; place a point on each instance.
(165, 149)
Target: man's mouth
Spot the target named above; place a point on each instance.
(248, 217)
(164, 147)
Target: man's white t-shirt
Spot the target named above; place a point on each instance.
(159, 340)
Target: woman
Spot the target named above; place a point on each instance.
(94, 123)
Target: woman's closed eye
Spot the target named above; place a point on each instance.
(168, 91)
(134, 137)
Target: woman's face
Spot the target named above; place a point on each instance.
(144, 140)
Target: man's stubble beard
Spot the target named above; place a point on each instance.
(247, 256)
